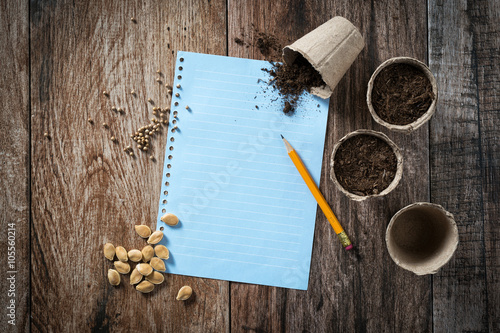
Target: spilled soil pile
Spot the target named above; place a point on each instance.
(365, 165)
(401, 94)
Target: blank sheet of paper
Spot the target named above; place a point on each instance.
(245, 213)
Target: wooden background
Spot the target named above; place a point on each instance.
(70, 194)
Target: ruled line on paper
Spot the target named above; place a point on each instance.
(300, 182)
(235, 252)
(235, 150)
(238, 227)
(232, 235)
(248, 220)
(238, 244)
(243, 126)
(254, 144)
(239, 261)
(252, 109)
(232, 74)
(250, 203)
(247, 135)
(246, 118)
(230, 82)
(224, 90)
(248, 169)
(244, 160)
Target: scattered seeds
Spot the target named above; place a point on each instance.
(162, 252)
(144, 268)
(150, 100)
(46, 134)
(145, 287)
(113, 108)
(105, 125)
(155, 237)
(132, 92)
(109, 251)
(122, 267)
(155, 277)
(105, 93)
(157, 264)
(90, 120)
(143, 230)
(147, 253)
(113, 277)
(135, 255)
(135, 276)
(170, 219)
(113, 139)
(184, 293)
(121, 254)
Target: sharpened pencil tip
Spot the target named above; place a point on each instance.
(282, 136)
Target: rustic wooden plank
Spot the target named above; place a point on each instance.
(464, 53)
(86, 190)
(362, 290)
(14, 166)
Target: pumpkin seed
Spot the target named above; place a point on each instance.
(155, 237)
(184, 293)
(162, 252)
(170, 219)
(113, 277)
(122, 267)
(147, 253)
(155, 277)
(135, 276)
(109, 251)
(121, 253)
(135, 255)
(143, 230)
(157, 264)
(145, 287)
(144, 269)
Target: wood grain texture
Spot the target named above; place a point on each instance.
(86, 190)
(362, 290)
(464, 54)
(14, 167)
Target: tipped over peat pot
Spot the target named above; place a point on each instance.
(422, 237)
(366, 163)
(402, 94)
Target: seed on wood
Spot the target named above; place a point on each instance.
(90, 120)
(169, 91)
(120, 110)
(132, 92)
(165, 121)
(150, 100)
(158, 80)
(133, 19)
(184, 293)
(145, 149)
(152, 158)
(187, 107)
(46, 134)
(105, 93)
(113, 277)
(113, 108)
(131, 153)
(113, 139)
(105, 125)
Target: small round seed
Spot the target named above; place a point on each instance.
(155, 237)
(184, 293)
(135, 276)
(113, 277)
(155, 278)
(157, 264)
(121, 254)
(162, 252)
(122, 267)
(135, 255)
(144, 268)
(143, 230)
(145, 287)
(109, 251)
(147, 253)
(170, 219)
(90, 120)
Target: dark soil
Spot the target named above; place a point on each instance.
(365, 165)
(292, 80)
(401, 94)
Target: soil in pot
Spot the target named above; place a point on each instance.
(401, 94)
(292, 80)
(365, 165)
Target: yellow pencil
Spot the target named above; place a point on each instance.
(318, 196)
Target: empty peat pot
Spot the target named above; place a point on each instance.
(366, 163)
(422, 237)
(402, 94)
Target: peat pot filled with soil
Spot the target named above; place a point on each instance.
(365, 164)
(402, 94)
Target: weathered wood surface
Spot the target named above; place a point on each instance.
(464, 54)
(14, 166)
(362, 290)
(58, 57)
(86, 191)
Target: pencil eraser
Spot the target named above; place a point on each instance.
(348, 247)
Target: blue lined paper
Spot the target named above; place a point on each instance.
(245, 213)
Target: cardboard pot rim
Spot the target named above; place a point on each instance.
(395, 149)
(430, 268)
(423, 118)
